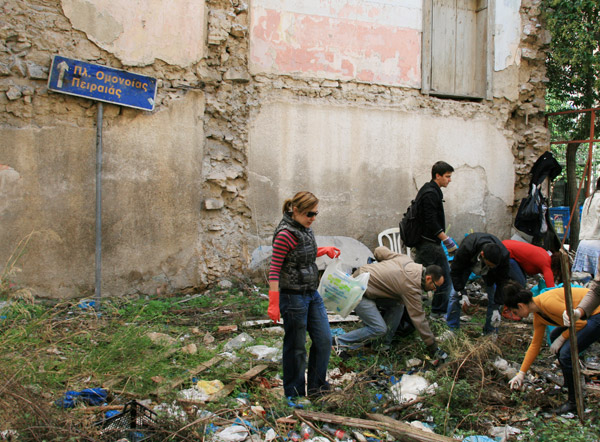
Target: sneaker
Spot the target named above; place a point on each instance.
(338, 350)
(335, 344)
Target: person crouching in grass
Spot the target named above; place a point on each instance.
(547, 309)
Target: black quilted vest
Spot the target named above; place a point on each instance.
(299, 271)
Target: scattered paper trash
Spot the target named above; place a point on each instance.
(271, 435)
(503, 433)
(414, 362)
(478, 439)
(409, 388)
(193, 395)
(504, 367)
(335, 377)
(262, 352)
(209, 387)
(232, 434)
(238, 342)
(171, 411)
(202, 391)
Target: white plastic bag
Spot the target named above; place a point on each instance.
(341, 292)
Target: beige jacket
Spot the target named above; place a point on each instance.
(398, 277)
(590, 218)
(591, 300)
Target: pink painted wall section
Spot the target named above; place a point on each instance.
(284, 42)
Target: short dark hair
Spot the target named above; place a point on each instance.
(440, 168)
(435, 271)
(492, 253)
(514, 295)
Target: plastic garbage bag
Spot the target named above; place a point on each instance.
(238, 342)
(262, 352)
(88, 396)
(271, 435)
(209, 387)
(341, 292)
(232, 434)
(409, 388)
(504, 433)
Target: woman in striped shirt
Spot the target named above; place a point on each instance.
(293, 282)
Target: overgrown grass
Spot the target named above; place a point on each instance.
(46, 350)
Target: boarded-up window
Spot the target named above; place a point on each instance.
(457, 48)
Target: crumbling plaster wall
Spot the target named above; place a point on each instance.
(173, 179)
(366, 148)
(179, 204)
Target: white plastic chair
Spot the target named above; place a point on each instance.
(394, 242)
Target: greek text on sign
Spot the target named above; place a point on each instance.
(101, 83)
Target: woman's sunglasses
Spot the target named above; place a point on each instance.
(311, 214)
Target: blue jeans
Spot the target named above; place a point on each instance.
(585, 337)
(301, 314)
(428, 253)
(453, 316)
(376, 325)
(516, 273)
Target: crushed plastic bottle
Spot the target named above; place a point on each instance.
(338, 434)
(294, 437)
(306, 431)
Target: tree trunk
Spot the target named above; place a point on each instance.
(572, 186)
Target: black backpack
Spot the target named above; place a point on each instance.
(410, 226)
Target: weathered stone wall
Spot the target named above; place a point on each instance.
(366, 148)
(192, 187)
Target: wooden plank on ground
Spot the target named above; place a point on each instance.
(231, 386)
(339, 420)
(178, 381)
(407, 431)
(593, 389)
(379, 422)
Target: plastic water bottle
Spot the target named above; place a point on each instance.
(306, 431)
(338, 434)
(294, 437)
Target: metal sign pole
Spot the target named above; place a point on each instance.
(98, 293)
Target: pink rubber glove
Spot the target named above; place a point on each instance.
(273, 310)
(332, 252)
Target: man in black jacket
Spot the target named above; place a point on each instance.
(486, 256)
(430, 210)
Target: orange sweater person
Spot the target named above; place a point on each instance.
(547, 309)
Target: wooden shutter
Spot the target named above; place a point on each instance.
(457, 61)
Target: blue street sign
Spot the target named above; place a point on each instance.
(101, 83)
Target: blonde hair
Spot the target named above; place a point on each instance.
(303, 201)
